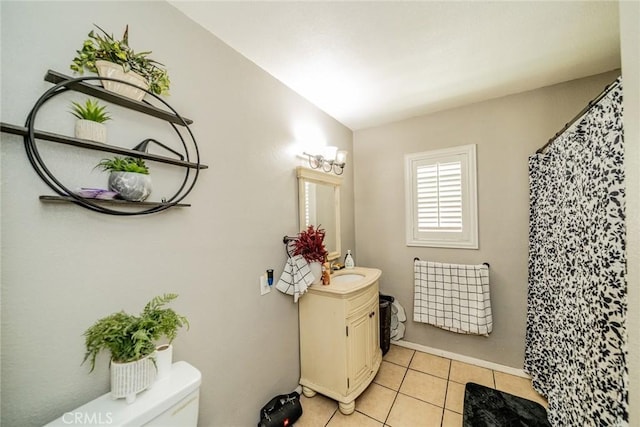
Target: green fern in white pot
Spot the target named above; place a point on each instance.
(132, 340)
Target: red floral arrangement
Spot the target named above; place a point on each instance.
(310, 244)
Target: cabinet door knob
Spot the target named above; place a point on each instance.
(373, 313)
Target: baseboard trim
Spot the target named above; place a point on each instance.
(462, 358)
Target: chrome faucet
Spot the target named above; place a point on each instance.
(333, 264)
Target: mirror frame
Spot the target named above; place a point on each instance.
(319, 177)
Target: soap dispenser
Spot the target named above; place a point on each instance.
(348, 260)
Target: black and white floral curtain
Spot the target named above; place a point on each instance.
(576, 335)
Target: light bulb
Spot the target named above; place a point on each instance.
(341, 157)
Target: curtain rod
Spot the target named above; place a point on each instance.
(591, 104)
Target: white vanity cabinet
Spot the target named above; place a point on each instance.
(340, 337)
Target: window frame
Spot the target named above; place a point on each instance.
(468, 237)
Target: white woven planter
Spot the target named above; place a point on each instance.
(129, 379)
(115, 71)
(93, 131)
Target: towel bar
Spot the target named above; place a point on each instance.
(418, 259)
(287, 240)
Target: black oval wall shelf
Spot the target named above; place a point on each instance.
(99, 92)
(62, 199)
(84, 85)
(92, 145)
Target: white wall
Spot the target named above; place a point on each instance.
(506, 130)
(64, 267)
(630, 52)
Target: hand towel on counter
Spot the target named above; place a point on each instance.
(296, 277)
(454, 297)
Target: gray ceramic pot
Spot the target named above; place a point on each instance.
(131, 186)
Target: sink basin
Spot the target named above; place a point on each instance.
(346, 281)
(347, 278)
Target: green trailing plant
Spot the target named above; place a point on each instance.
(124, 164)
(129, 338)
(160, 321)
(310, 244)
(91, 110)
(104, 46)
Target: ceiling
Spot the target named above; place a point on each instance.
(370, 63)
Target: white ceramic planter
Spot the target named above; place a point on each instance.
(93, 131)
(316, 270)
(131, 186)
(129, 379)
(164, 360)
(115, 71)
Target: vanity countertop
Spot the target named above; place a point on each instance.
(369, 276)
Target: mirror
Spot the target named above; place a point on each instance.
(319, 205)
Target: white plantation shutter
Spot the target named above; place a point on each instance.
(441, 199)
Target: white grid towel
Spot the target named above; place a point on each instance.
(453, 297)
(296, 277)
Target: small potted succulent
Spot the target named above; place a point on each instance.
(129, 177)
(310, 244)
(91, 117)
(131, 340)
(102, 53)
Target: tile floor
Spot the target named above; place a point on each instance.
(413, 389)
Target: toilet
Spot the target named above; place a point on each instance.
(171, 401)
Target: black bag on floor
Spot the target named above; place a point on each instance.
(385, 322)
(281, 411)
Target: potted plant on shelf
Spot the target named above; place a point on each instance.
(310, 244)
(129, 177)
(131, 340)
(91, 117)
(109, 57)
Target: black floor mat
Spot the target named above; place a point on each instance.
(486, 407)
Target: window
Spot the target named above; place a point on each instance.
(441, 198)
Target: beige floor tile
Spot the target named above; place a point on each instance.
(316, 411)
(390, 375)
(399, 355)
(430, 364)
(455, 397)
(410, 412)
(518, 386)
(451, 419)
(424, 387)
(354, 420)
(376, 401)
(465, 373)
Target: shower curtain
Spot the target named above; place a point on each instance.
(576, 337)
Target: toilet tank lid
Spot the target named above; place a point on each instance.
(163, 394)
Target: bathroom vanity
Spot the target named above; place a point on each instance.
(340, 336)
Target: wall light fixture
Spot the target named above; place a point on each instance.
(331, 159)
